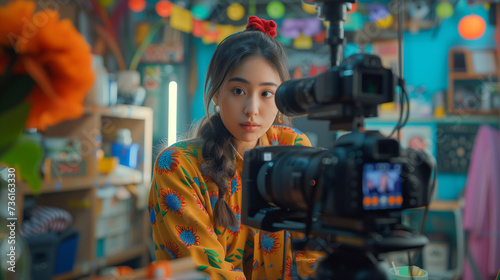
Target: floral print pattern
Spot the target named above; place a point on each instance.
(172, 201)
(188, 236)
(269, 243)
(181, 203)
(167, 161)
(172, 249)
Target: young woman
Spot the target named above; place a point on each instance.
(195, 197)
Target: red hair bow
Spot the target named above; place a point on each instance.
(266, 26)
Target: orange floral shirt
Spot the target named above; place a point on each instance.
(180, 205)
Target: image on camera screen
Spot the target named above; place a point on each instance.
(382, 186)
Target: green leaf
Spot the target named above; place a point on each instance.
(195, 152)
(214, 259)
(230, 256)
(238, 257)
(211, 252)
(191, 154)
(12, 124)
(297, 140)
(14, 91)
(186, 174)
(250, 244)
(202, 267)
(188, 160)
(229, 260)
(203, 188)
(25, 155)
(212, 263)
(217, 232)
(156, 187)
(222, 276)
(186, 183)
(240, 250)
(163, 213)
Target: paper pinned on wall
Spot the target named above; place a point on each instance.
(211, 33)
(484, 62)
(224, 31)
(303, 42)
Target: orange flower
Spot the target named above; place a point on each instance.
(54, 54)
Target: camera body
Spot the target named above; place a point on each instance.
(353, 88)
(366, 177)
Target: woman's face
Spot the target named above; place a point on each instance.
(246, 101)
(384, 181)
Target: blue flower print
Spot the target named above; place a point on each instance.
(167, 161)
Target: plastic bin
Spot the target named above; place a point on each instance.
(43, 255)
(66, 251)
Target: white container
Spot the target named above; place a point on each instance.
(128, 81)
(435, 256)
(99, 93)
(107, 226)
(113, 201)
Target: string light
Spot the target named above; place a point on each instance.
(471, 27)
(137, 5)
(163, 8)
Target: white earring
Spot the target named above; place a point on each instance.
(217, 108)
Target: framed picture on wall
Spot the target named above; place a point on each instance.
(166, 47)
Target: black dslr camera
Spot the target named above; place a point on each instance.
(351, 195)
(357, 85)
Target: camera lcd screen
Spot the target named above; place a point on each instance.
(371, 84)
(382, 186)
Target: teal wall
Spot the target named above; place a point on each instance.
(426, 53)
(203, 55)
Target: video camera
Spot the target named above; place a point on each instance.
(352, 194)
(353, 88)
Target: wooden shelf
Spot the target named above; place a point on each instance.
(122, 111)
(65, 184)
(463, 67)
(444, 205)
(78, 194)
(450, 119)
(120, 257)
(82, 183)
(100, 263)
(473, 112)
(128, 111)
(470, 76)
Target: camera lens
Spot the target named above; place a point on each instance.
(293, 97)
(293, 191)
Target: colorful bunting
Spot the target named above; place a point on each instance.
(198, 28)
(301, 30)
(224, 31)
(303, 42)
(181, 19)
